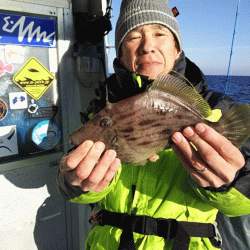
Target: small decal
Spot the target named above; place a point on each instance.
(14, 54)
(49, 112)
(33, 78)
(3, 109)
(46, 134)
(5, 68)
(18, 100)
(8, 141)
(32, 109)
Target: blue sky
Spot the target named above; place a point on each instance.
(206, 28)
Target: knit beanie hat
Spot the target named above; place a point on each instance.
(135, 13)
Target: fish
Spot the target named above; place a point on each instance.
(141, 126)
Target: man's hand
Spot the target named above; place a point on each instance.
(216, 160)
(87, 168)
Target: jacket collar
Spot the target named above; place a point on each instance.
(191, 71)
(122, 73)
(183, 66)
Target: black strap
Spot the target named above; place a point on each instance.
(169, 229)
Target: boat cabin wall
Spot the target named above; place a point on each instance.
(34, 126)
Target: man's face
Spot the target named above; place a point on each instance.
(149, 50)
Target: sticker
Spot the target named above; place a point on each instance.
(33, 78)
(32, 109)
(14, 54)
(3, 109)
(8, 141)
(18, 100)
(27, 30)
(48, 112)
(5, 68)
(46, 134)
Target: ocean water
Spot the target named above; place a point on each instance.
(238, 86)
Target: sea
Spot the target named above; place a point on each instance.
(238, 87)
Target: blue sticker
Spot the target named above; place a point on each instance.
(46, 134)
(27, 30)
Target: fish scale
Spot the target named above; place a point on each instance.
(151, 135)
(141, 126)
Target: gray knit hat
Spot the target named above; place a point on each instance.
(135, 13)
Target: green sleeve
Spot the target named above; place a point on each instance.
(231, 202)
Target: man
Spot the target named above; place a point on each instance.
(184, 185)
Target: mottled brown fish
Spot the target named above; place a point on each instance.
(141, 126)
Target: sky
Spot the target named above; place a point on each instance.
(207, 28)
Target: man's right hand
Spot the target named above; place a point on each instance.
(87, 168)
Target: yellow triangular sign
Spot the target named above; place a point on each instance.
(33, 78)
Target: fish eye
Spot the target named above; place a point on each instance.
(105, 123)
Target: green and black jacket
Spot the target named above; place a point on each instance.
(162, 189)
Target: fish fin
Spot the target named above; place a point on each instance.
(183, 91)
(107, 96)
(236, 123)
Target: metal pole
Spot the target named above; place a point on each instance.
(230, 59)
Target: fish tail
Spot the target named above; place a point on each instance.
(236, 124)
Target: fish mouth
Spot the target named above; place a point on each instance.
(114, 142)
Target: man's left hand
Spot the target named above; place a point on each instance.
(216, 160)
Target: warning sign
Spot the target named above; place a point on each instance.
(33, 78)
